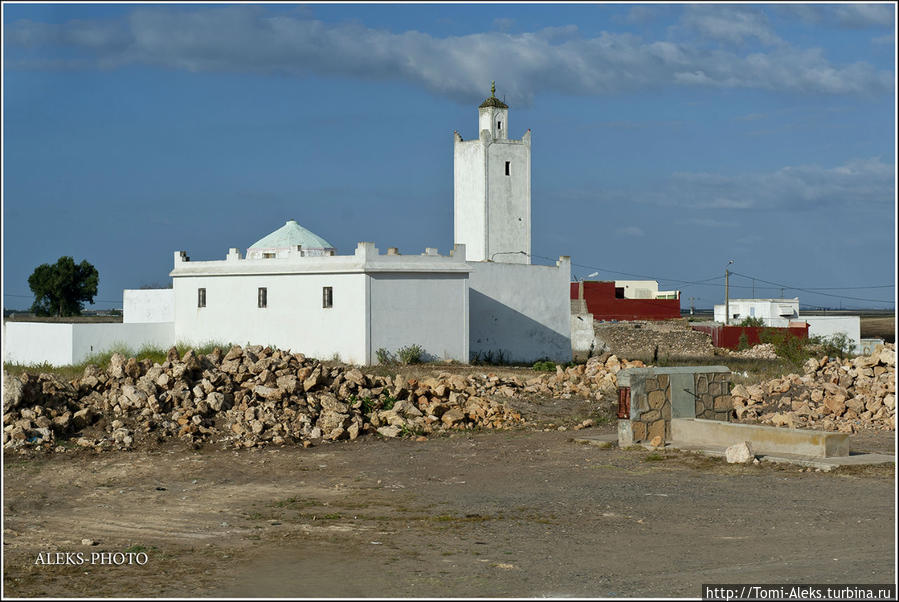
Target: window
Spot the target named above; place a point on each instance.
(268, 255)
(508, 167)
(263, 297)
(499, 125)
(201, 297)
(327, 297)
(619, 292)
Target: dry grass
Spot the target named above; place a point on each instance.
(879, 328)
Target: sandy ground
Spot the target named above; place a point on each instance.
(507, 513)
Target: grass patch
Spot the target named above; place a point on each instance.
(654, 457)
(156, 355)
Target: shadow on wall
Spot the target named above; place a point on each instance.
(496, 328)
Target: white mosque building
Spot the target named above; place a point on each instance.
(292, 290)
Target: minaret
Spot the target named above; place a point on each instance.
(492, 188)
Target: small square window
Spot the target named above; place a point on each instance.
(201, 297)
(327, 297)
(508, 168)
(263, 297)
(268, 255)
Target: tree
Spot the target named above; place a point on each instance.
(62, 289)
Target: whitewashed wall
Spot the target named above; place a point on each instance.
(522, 310)
(148, 305)
(509, 213)
(827, 326)
(65, 344)
(469, 194)
(430, 310)
(582, 335)
(294, 318)
(768, 310)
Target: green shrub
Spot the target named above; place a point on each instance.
(752, 322)
(836, 345)
(743, 342)
(385, 358)
(545, 366)
(490, 358)
(787, 346)
(411, 354)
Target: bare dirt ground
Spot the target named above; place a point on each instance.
(523, 513)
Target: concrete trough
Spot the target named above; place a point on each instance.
(763, 439)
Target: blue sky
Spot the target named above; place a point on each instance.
(667, 139)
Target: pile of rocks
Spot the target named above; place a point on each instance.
(252, 396)
(762, 351)
(653, 339)
(832, 394)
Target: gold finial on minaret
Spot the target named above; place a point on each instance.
(493, 89)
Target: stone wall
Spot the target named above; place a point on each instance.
(712, 401)
(659, 394)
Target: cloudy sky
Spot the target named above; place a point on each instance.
(667, 139)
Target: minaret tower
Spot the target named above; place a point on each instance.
(492, 189)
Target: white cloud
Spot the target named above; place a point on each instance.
(631, 231)
(857, 183)
(560, 59)
(854, 15)
(729, 24)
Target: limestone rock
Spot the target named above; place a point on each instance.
(741, 453)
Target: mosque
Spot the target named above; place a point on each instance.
(293, 290)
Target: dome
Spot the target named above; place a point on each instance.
(289, 236)
(493, 101)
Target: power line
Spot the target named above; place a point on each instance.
(796, 288)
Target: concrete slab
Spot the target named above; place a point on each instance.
(606, 441)
(824, 464)
(769, 440)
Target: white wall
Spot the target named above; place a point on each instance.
(638, 289)
(148, 305)
(65, 344)
(38, 342)
(827, 326)
(582, 334)
(509, 200)
(430, 310)
(294, 318)
(769, 310)
(469, 194)
(522, 310)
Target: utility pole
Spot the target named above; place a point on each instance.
(727, 294)
(692, 299)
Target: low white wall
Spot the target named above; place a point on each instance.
(148, 305)
(582, 335)
(524, 311)
(430, 310)
(38, 342)
(88, 339)
(65, 344)
(827, 326)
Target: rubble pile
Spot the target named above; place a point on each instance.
(762, 351)
(255, 396)
(653, 339)
(832, 394)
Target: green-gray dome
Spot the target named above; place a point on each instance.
(289, 236)
(493, 101)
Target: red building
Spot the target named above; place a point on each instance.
(729, 336)
(608, 301)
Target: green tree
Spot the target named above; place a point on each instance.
(62, 289)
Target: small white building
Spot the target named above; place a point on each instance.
(772, 312)
(340, 306)
(780, 313)
(643, 289)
